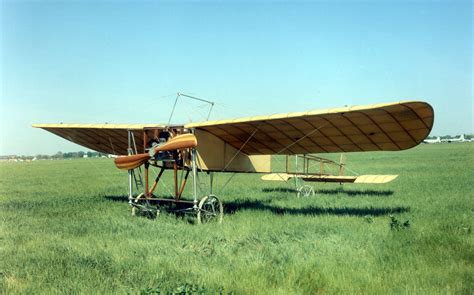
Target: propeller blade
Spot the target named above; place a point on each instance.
(179, 142)
(131, 162)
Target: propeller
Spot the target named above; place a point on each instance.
(134, 161)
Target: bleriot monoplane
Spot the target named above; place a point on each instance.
(247, 145)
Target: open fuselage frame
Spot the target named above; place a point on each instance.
(183, 160)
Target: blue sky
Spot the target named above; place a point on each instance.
(122, 62)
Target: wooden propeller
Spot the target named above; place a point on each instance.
(134, 161)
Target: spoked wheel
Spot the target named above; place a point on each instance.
(142, 206)
(210, 210)
(305, 191)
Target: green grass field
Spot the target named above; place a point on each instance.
(66, 228)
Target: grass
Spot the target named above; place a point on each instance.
(66, 228)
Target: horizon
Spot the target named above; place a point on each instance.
(86, 150)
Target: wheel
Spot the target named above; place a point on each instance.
(141, 206)
(210, 210)
(305, 191)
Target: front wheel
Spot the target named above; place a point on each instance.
(210, 210)
(141, 206)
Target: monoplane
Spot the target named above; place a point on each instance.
(246, 145)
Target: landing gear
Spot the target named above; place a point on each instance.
(210, 210)
(143, 207)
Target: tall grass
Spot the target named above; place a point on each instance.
(66, 228)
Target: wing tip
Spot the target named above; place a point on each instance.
(375, 179)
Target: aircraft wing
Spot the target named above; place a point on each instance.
(379, 127)
(104, 138)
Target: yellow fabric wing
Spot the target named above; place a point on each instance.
(380, 127)
(104, 138)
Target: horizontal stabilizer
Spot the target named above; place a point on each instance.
(371, 179)
(375, 178)
(276, 177)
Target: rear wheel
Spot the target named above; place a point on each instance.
(210, 210)
(305, 191)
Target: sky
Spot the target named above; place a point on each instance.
(124, 61)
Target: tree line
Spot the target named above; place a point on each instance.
(73, 155)
(57, 156)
